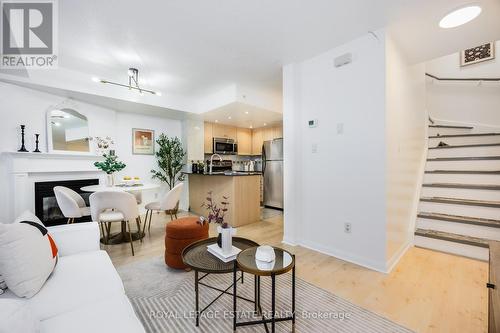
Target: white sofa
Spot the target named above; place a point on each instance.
(84, 293)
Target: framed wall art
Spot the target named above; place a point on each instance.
(477, 54)
(143, 141)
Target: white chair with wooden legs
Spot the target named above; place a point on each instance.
(71, 203)
(115, 206)
(168, 203)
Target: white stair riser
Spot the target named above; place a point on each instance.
(452, 247)
(465, 140)
(460, 193)
(460, 228)
(480, 165)
(448, 131)
(469, 152)
(461, 210)
(478, 179)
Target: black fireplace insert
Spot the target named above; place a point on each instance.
(46, 207)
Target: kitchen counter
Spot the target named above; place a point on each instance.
(227, 174)
(241, 188)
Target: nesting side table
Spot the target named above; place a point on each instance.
(284, 262)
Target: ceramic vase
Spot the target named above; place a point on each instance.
(226, 239)
(110, 179)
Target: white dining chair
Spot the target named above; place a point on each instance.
(71, 203)
(115, 206)
(167, 203)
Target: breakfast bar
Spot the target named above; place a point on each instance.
(241, 189)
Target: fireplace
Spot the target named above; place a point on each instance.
(46, 208)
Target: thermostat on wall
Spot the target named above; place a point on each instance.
(313, 123)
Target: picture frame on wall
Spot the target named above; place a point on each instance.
(477, 54)
(143, 141)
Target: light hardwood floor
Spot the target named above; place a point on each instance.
(427, 291)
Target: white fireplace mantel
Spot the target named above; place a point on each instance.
(23, 170)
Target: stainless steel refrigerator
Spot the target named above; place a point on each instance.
(272, 168)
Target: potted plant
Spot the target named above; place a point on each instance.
(170, 157)
(110, 165)
(216, 214)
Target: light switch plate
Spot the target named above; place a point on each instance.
(340, 128)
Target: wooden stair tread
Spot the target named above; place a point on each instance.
(467, 186)
(467, 146)
(464, 158)
(460, 219)
(446, 236)
(478, 172)
(466, 202)
(462, 135)
(451, 126)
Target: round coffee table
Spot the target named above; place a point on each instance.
(246, 262)
(197, 257)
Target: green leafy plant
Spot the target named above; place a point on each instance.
(170, 158)
(110, 164)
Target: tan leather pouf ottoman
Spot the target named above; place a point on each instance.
(179, 234)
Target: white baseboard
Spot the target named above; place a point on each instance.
(392, 262)
(373, 265)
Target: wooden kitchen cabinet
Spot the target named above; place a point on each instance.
(268, 134)
(257, 140)
(244, 140)
(277, 132)
(208, 138)
(224, 131)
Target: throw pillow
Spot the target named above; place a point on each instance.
(28, 255)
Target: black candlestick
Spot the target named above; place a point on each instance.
(36, 142)
(23, 148)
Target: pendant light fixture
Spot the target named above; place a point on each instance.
(133, 82)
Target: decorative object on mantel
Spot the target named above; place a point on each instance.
(110, 165)
(143, 141)
(36, 143)
(103, 144)
(23, 148)
(477, 54)
(216, 214)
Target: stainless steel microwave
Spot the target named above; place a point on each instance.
(225, 146)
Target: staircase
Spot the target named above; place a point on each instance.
(459, 209)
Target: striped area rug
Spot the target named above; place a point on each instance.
(163, 300)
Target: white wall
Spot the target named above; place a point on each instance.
(406, 124)
(20, 105)
(370, 143)
(343, 181)
(464, 102)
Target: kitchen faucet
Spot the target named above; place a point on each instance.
(212, 161)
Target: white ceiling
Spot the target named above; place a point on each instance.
(243, 115)
(190, 48)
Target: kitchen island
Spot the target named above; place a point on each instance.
(241, 189)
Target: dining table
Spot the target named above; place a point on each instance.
(123, 235)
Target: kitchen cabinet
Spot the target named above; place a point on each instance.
(244, 140)
(208, 138)
(277, 132)
(224, 131)
(257, 140)
(249, 141)
(268, 134)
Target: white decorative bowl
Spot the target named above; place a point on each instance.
(265, 253)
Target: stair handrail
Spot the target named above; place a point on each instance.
(462, 79)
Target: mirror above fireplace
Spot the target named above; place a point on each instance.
(67, 132)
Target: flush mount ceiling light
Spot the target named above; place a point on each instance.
(133, 82)
(460, 16)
